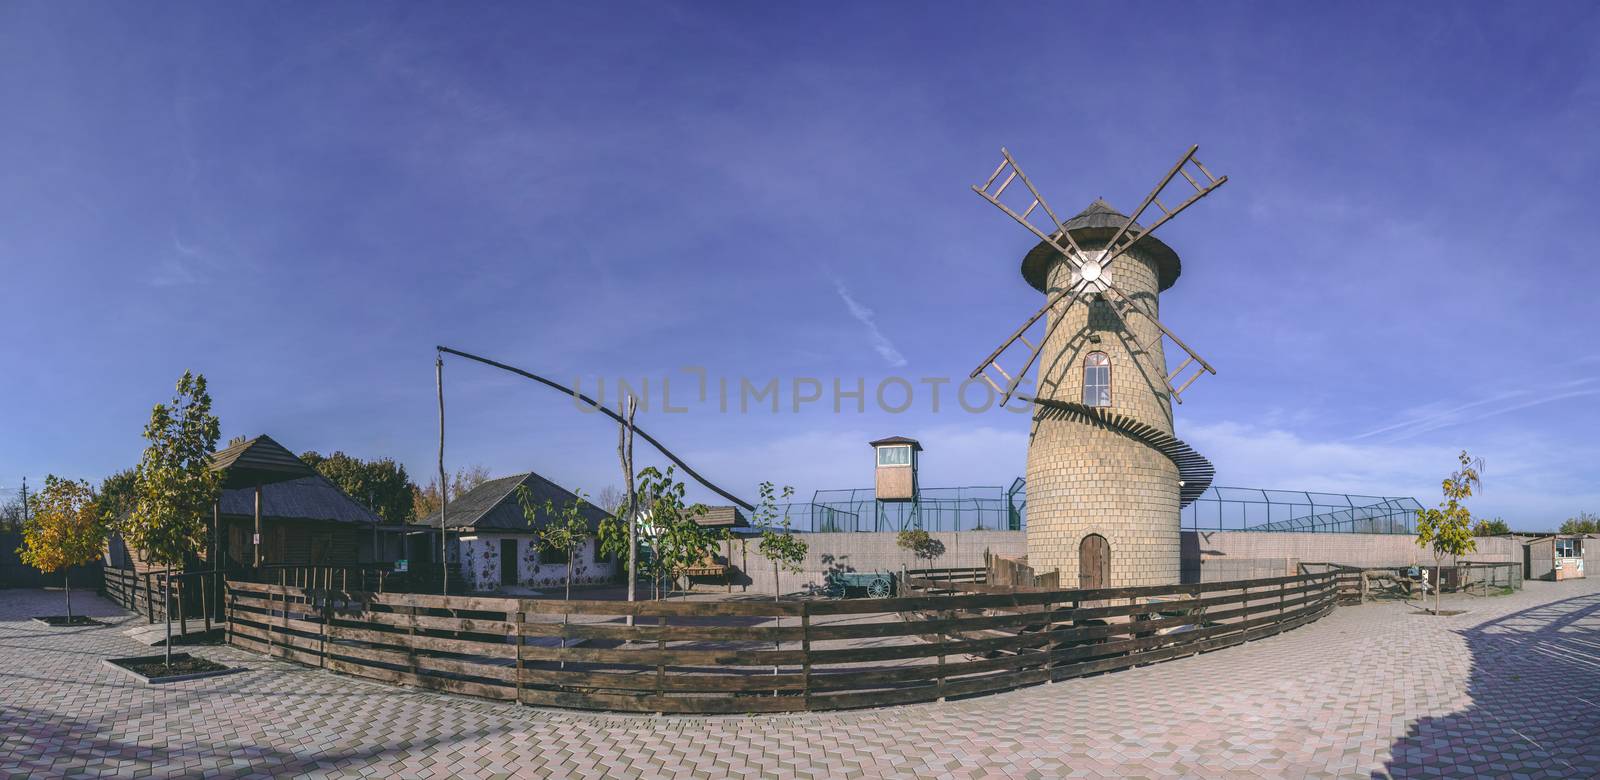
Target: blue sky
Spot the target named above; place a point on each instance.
(300, 201)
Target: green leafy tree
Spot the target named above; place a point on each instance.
(677, 541)
(381, 484)
(920, 544)
(565, 528)
(783, 549)
(64, 529)
(174, 485)
(1448, 529)
(1584, 523)
(1494, 526)
(117, 496)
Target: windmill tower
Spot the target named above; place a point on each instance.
(1106, 479)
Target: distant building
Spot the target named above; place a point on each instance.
(305, 520)
(495, 545)
(1557, 557)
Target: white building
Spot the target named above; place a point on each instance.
(496, 545)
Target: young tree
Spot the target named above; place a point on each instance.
(565, 530)
(785, 550)
(920, 544)
(1448, 529)
(64, 529)
(174, 484)
(677, 540)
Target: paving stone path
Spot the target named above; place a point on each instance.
(1511, 687)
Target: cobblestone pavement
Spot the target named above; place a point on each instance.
(1513, 686)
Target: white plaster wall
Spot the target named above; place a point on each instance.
(481, 564)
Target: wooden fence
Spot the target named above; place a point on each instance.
(192, 595)
(683, 656)
(199, 594)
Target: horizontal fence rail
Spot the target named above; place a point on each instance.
(759, 655)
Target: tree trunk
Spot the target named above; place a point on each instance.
(166, 608)
(1437, 590)
(776, 588)
(67, 576)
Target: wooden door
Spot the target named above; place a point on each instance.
(508, 561)
(1094, 562)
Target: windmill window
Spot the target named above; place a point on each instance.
(895, 456)
(1569, 548)
(1097, 380)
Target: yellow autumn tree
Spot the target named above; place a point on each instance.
(65, 529)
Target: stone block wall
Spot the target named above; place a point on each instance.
(1086, 479)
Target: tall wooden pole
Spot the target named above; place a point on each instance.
(444, 487)
(257, 537)
(627, 406)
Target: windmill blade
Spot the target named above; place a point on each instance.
(1056, 236)
(1130, 232)
(1127, 330)
(1193, 356)
(1071, 294)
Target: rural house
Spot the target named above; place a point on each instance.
(495, 545)
(302, 518)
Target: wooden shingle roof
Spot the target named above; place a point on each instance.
(307, 498)
(494, 506)
(258, 461)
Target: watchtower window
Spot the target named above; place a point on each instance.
(895, 456)
(1097, 380)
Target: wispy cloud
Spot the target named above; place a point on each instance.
(178, 268)
(1431, 418)
(865, 316)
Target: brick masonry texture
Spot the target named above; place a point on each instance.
(1507, 689)
(1084, 479)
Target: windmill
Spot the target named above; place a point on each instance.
(1106, 478)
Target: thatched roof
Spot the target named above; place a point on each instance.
(494, 506)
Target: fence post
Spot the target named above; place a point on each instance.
(205, 604)
(182, 625)
(805, 650)
(661, 664)
(149, 601)
(1050, 647)
(518, 616)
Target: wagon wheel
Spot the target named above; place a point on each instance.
(879, 589)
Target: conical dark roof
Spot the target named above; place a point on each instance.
(1096, 225)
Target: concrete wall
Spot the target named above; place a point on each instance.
(862, 552)
(1206, 556)
(1211, 556)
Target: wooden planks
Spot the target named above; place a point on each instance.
(705, 657)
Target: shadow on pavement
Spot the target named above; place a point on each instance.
(1535, 688)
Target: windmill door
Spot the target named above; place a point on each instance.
(1094, 562)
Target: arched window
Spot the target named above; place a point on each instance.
(1096, 380)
